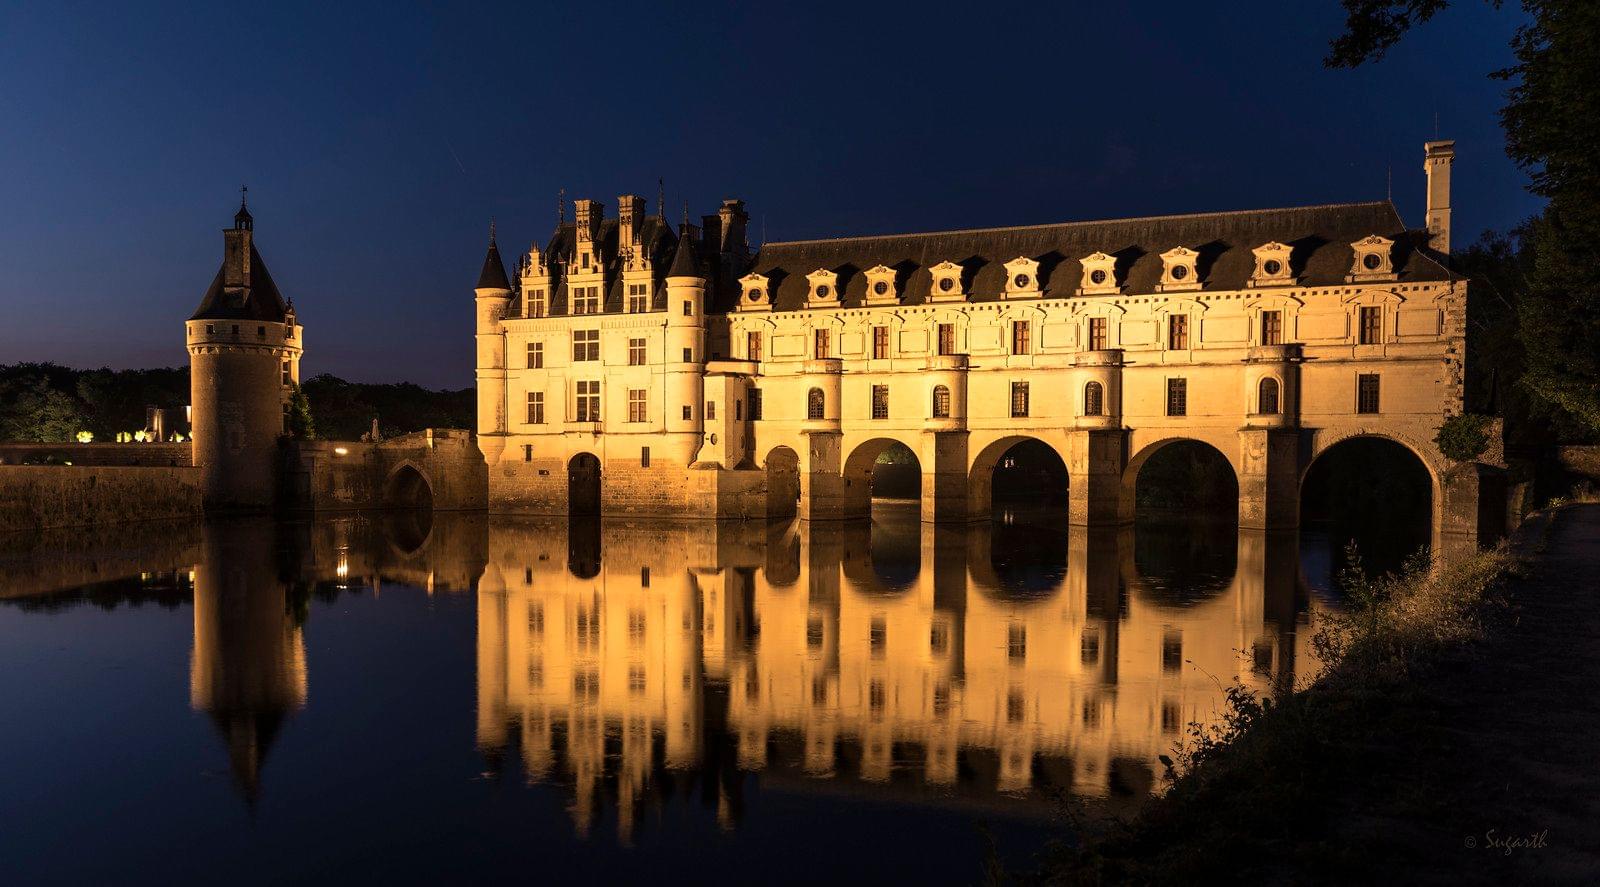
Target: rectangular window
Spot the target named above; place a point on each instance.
(535, 355)
(638, 298)
(752, 346)
(880, 343)
(941, 402)
(644, 462)
(288, 375)
(638, 406)
(588, 405)
(688, 355)
(1371, 326)
(738, 410)
(1021, 338)
(819, 344)
(880, 401)
(536, 408)
(527, 456)
(636, 352)
(1097, 334)
(688, 412)
(688, 309)
(1178, 332)
(947, 338)
(1177, 397)
(536, 302)
(1272, 327)
(1019, 400)
(586, 299)
(711, 411)
(585, 345)
(1367, 393)
(755, 404)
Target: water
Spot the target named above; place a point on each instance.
(420, 697)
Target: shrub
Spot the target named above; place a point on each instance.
(1465, 437)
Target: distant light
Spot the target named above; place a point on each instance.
(341, 451)
(85, 436)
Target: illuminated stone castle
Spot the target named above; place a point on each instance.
(632, 368)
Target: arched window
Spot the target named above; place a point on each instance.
(1093, 399)
(814, 404)
(1268, 401)
(941, 402)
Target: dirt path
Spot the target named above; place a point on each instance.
(1505, 785)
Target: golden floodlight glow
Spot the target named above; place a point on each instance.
(341, 451)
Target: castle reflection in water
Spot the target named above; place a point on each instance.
(995, 665)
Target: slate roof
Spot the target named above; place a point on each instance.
(258, 301)
(684, 263)
(1320, 237)
(493, 275)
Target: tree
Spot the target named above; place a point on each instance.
(31, 410)
(1552, 129)
(300, 423)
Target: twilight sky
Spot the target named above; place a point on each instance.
(378, 140)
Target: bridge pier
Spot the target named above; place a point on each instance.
(1269, 478)
(944, 477)
(1095, 461)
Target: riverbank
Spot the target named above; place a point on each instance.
(1454, 740)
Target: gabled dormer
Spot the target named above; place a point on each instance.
(946, 285)
(1373, 259)
(1022, 278)
(755, 293)
(881, 289)
(1272, 265)
(824, 291)
(1099, 275)
(1179, 270)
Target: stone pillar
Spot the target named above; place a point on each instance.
(821, 483)
(1471, 510)
(1095, 458)
(1269, 478)
(944, 476)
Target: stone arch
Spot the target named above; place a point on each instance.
(1346, 476)
(583, 484)
(1128, 497)
(407, 486)
(782, 467)
(980, 476)
(858, 470)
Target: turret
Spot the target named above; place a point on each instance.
(1438, 157)
(244, 345)
(686, 337)
(493, 297)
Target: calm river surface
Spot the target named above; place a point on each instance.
(419, 697)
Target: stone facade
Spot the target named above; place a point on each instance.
(737, 384)
(35, 497)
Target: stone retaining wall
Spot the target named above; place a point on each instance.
(34, 497)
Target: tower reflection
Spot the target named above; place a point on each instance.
(996, 662)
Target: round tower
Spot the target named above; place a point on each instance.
(686, 344)
(493, 299)
(244, 357)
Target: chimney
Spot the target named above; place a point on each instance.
(1437, 158)
(588, 214)
(734, 220)
(710, 235)
(630, 213)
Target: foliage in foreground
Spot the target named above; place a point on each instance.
(1247, 792)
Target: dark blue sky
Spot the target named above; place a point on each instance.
(377, 141)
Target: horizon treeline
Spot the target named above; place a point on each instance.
(49, 403)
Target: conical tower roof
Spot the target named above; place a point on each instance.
(493, 275)
(684, 263)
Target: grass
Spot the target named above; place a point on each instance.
(1253, 795)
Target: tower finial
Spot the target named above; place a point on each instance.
(244, 193)
(491, 230)
(661, 199)
(561, 207)
(686, 215)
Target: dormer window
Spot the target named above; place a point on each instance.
(1373, 259)
(755, 295)
(1099, 275)
(1178, 271)
(880, 286)
(946, 282)
(1272, 265)
(824, 288)
(1022, 278)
